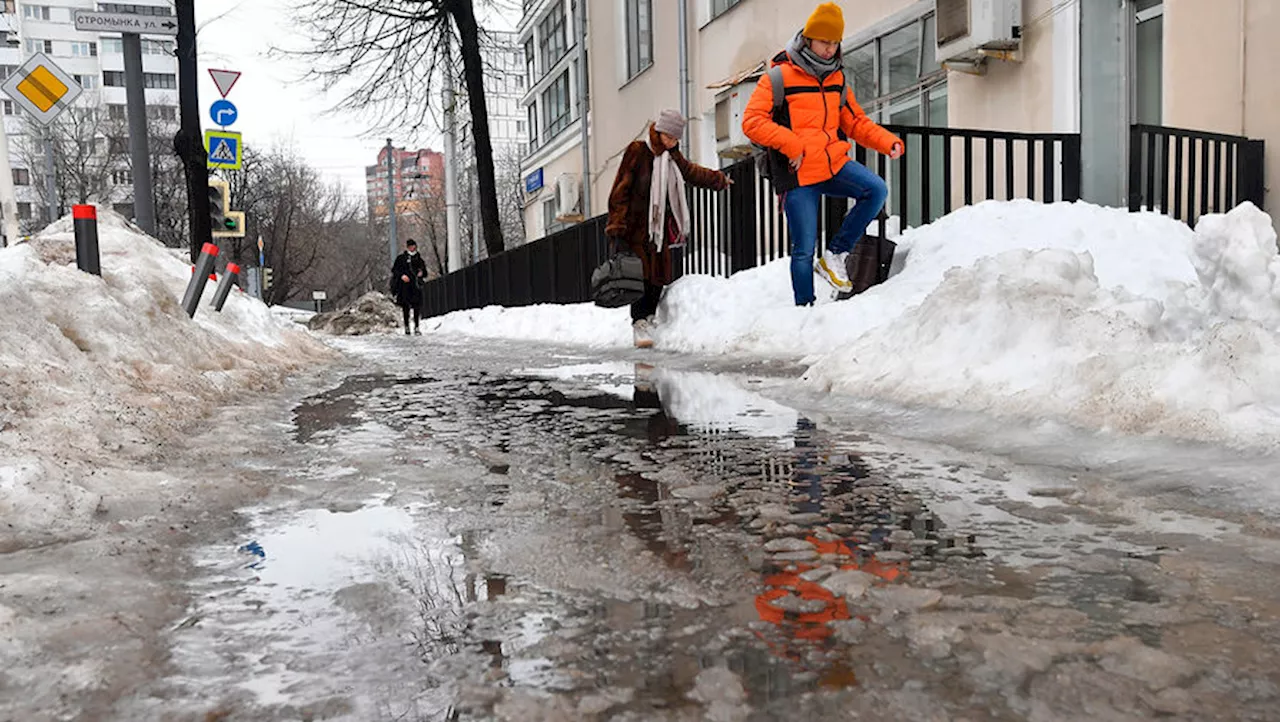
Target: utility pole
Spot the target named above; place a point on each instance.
(454, 252)
(144, 209)
(8, 199)
(392, 245)
(50, 183)
(584, 108)
(187, 143)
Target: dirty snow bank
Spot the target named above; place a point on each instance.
(94, 371)
(374, 312)
(1107, 319)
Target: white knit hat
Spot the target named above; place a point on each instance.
(671, 123)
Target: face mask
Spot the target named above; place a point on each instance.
(413, 253)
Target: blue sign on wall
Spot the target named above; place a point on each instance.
(533, 181)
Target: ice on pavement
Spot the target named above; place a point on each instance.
(1099, 317)
(96, 370)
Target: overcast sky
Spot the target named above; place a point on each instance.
(275, 107)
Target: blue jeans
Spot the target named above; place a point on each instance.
(802, 204)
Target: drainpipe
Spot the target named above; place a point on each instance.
(683, 40)
(584, 108)
(1244, 64)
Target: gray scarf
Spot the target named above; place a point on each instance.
(809, 62)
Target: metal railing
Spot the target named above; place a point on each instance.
(1187, 174)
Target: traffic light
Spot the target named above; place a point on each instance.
(225, 223)
(266, 278)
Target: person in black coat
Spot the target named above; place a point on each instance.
(407, 275)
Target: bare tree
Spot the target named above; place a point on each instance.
(396, 51)
(89, 158)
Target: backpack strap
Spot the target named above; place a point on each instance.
(779, 88)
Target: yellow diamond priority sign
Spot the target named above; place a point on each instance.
(42, 89)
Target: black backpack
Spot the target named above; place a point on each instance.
(772, 163)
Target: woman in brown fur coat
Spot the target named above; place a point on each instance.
(648, 209)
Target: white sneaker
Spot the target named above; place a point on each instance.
(831, 266)
(643, 330)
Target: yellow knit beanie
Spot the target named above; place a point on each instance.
(826, 23)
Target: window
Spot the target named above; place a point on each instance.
(35, 12)
(154, 81)
(84, 50)
(10, 6)
(1148, 61)
(115, 111)
(121, 177)
(134, 9)
(897, 68)
(7, 70)
(117, 144)
(21, 177)
(9, 108)
(162, 112)
(551, 35)
(555, 106)
(528, 60)
(39, 46)
(549, 211)
(88, 82)
(114, 46)
(639, 19)
(24, 211)
(533, 126)
(158, 47)
(720, 7)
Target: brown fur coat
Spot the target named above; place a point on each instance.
(629, 203)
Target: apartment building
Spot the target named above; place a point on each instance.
(415, 175)
(96, 61)
(552, 164)
(1068, 66)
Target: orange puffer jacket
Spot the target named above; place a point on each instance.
(820, 128)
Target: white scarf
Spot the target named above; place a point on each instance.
(666, 186)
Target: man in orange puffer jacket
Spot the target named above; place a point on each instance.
(818, 147)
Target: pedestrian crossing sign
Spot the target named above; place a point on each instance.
(224, 148)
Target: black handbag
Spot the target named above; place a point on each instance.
(618, 281)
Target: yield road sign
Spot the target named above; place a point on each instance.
(225, 149)
(225, 80)
(223, 112)
(125, 23)
(42, 89)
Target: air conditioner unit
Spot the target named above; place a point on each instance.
(731, 142)
(966, 28)
(568, 197)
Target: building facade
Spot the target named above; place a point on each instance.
(552, 162)
(415, 175)
(96, 128)
(1068, 66)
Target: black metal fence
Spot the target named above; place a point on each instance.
(1187, 174)
(1184, 173)
(943, 169)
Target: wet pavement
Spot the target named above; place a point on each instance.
(471, 535)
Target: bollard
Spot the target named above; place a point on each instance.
(195, 288)
(85, 219)
(225, 285)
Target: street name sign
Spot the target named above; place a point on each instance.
(126, 23)
(42, 89)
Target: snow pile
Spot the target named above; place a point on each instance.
(582, 324)
(374, 312)
(95, 369)
(1107, 319)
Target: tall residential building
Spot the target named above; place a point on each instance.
(415, 175)
(96, 126)
(504, 84)
(552, 164)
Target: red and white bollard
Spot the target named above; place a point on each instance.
(200, 276)
(85, 219)
(227, 283)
